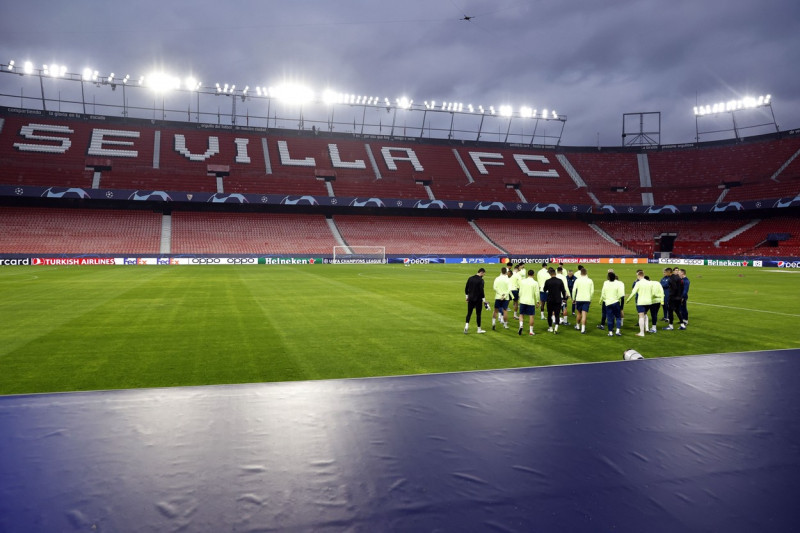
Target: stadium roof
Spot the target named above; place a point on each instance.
(592, 61)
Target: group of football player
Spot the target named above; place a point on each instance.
(550, 289)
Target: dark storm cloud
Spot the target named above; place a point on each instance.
(592, 61)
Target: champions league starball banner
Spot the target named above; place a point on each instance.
(25, 191)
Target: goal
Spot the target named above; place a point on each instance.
(359, 254)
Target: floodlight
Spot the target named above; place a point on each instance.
(28, 67)
(555, 115)
(481, 110)
(192, 84)
(470, 108)
(126, 78)
(161, 82)
(403, 102)
(292, 93)
(491, 109)
(11, 65)
(54, 70)
(246, 88)
(748, 102)
(544, 113)
(525, 112)
(330, 97)
(506, 110)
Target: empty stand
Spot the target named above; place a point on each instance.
(42, 152)
(78, 231)
(692, 237)
(612, 177)
(540, 176)
(697, 175)
(548, 237)
(48, 151)
(754, 240)
(413, 235)
(250, 233)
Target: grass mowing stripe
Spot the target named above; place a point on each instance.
(747, 309)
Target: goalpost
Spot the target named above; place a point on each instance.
(359, 254)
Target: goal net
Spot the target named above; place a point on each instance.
(359, 254)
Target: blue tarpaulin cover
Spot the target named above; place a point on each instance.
(700, 443)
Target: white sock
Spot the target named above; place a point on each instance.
(583, 327)
(494, 321)
(641, 324)
(646, 322)
(531, 328)
(466, 326)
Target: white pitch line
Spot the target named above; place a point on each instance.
(745, 309)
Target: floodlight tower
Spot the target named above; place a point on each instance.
(748, 104)
(400, 103)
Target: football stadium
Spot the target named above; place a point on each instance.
(253, 319)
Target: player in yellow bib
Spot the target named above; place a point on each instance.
(643, 291)
(528, 298)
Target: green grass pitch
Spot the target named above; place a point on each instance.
(106, 327)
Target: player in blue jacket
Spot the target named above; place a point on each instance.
(684, 311)
(665, 285)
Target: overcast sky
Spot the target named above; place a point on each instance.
(591, 60)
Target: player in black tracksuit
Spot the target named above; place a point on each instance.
(675, 298)
(556, 293)
(475, 298)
